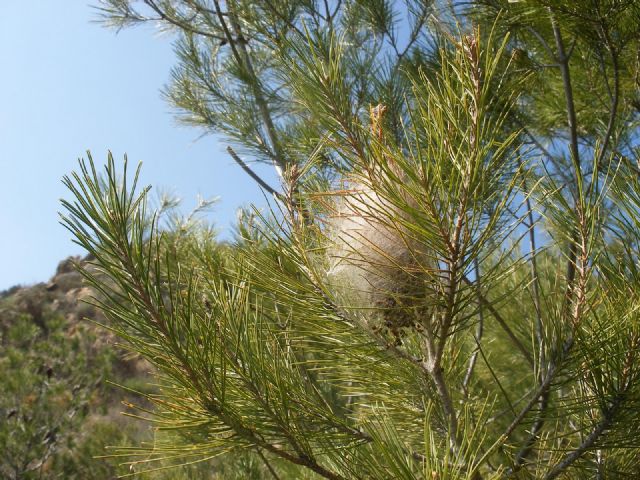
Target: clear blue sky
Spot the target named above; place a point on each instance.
(68, 85)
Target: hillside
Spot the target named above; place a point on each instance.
(58, 407)
(65, 383)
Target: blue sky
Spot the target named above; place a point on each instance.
(69, 85)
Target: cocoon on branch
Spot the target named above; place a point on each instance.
(374, 261)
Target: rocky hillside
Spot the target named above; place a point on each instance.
(58, 407)
(62, 295)
(65, 300)
(59, 403)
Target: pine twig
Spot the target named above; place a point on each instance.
(478, 336)
(615, 97)
(572, 122)
(608, 417)
(254, 175)
(544, 385)
(184, 25)
(501, 321)
(267, 464)
(563, 61)
(243, 59)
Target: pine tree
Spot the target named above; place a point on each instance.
(447, 283)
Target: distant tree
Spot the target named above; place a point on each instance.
(448, 283)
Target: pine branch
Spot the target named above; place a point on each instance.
(501, 321)
(563, 61)
(243, 59)
(542, 388)
(254, 175)
(186, 25)
(267, 464)
(273, 9)
(538, 424)
(613, 110)
(572, 122)
(608, 417)
(260, 355)
(477, 336)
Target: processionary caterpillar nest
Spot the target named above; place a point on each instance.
(375, 262)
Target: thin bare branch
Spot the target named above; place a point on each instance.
(478, 334)
(615, 96)
(243, 59)
(541, 40)
(608, 417)
(186, 25)
(544, 385)
(563, 62)
(544, 398)
(501, 321)
(254, 175)
(273, 9)
(273, 473)
(415, 30)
